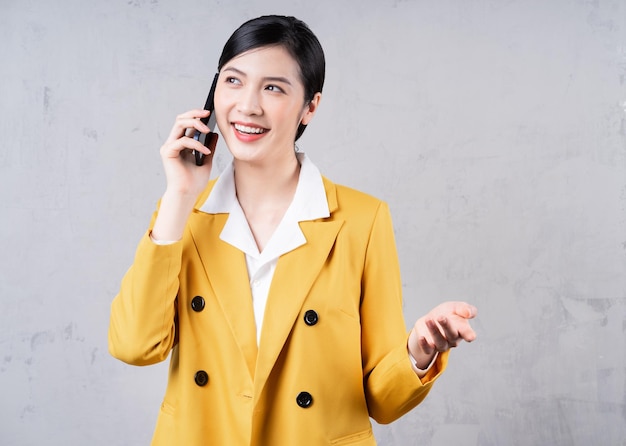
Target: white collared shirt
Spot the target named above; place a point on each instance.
(309, 203)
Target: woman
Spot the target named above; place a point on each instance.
(277, 291)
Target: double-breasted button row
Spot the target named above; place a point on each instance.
(201, 377)
(305, 399)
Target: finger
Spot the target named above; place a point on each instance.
(182, 143)
(465, 310)
(467, 333)
(425, 346)
(189, 128)
(189, 120)
(173, 149)
(439, 340)
(449, 331)
(457, 328)
(194, 113)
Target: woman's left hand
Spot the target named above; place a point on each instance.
(441, 329)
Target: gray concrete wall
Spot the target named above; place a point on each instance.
(496, 130)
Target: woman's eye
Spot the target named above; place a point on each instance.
(232, 80)
(274, 88)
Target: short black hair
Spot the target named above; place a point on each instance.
(290, 33)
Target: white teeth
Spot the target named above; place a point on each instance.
(246, 129)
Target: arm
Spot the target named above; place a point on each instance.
(392, 385)
(142, 329)
(185, 180)
(142, 326)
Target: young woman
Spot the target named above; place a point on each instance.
(276, 291)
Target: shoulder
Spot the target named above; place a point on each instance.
(346, 201)
(205, 193)
(365, 219)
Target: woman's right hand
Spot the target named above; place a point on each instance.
(185, 180)
(183, 176)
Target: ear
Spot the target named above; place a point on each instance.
(310, 109)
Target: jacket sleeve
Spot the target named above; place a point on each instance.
(142, 328)
(392, 387)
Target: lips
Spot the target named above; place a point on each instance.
(248, 132)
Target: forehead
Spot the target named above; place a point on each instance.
(266, 61)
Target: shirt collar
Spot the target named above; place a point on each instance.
(309, 203)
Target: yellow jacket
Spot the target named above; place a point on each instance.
(333, 343)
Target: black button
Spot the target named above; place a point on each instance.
(201, 378)
(310, 317)
(304, 399)
(197, 303)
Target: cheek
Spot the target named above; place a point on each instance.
(221, 109)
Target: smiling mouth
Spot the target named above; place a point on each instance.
(247, 130)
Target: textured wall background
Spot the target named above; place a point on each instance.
(496, 130)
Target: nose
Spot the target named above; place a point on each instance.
(249, 102)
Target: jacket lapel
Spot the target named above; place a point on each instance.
(295, 274)
(226, 271)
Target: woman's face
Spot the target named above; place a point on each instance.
(259, 103)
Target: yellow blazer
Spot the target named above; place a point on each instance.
(333, 343)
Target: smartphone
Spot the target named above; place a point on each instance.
(208, 139)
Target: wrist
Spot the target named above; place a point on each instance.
(177, 196)
(172, 216)
(422, 361)
(420, 358)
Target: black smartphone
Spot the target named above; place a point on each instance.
(208, 139)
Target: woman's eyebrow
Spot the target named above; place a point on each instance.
(277, 79)
(266, 78)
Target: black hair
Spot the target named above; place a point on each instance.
(290, 33)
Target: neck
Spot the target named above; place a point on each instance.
(265, 193)
(266, 185)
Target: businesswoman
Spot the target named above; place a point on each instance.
(276, 291)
